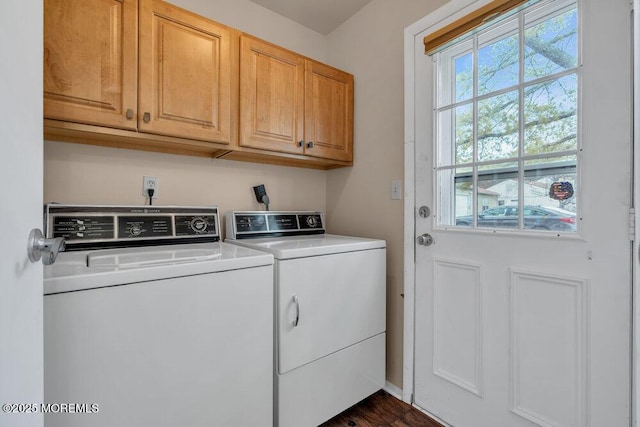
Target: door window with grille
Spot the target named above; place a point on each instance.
(507, 121)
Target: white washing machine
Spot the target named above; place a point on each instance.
(330, 305)
(175, 333)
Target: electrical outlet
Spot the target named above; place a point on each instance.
(150, 182)
(396, 190)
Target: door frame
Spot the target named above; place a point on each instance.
(635, 323)
(448, 13)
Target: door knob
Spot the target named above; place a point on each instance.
(37, 246)
(425, 239)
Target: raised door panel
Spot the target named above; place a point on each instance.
(328, 112)
(271, 97)
(90, 55)
(185, 74)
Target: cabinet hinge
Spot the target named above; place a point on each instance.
(632, 224)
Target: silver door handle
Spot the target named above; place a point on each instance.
(425, 239)
(38, 245)
(295, 301)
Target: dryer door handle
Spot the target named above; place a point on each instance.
(297, 303)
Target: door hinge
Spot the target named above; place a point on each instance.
(632, 224)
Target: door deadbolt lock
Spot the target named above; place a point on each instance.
(424, 211)
(425, 240)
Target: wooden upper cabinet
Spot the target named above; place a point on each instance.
(185, 74)
(145, 74)
(328, 112)
(291, 104)
(271, 97)
(90, 61)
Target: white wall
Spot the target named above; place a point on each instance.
(76, 173)
(370, 45)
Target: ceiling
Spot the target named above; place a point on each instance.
(322, 16)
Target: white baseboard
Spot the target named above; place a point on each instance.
(393, 390)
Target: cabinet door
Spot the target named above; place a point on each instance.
(328, 112)
(90, 61)
(271, 97)
(339, 301)
(185, 74)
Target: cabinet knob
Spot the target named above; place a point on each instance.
(146, 117)
(310, 144)
(129, 114)
(301, 143)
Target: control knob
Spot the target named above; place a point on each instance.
(312, 221)
(199, 225)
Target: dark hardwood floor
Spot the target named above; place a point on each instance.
(381, 409)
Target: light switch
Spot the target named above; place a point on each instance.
(396, 190)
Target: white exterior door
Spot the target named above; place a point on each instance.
(21, 367)
(525, 327)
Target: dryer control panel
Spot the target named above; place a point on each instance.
(253, 224)
(86, 226)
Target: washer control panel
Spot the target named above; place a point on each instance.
(84, 226)
(245, 225)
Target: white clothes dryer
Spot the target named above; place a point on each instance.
(330, 305)
(175, 333)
